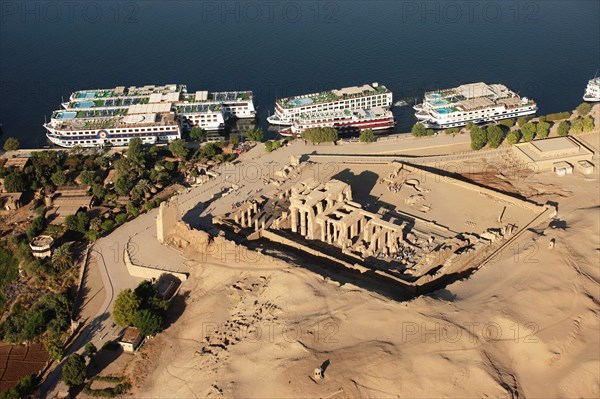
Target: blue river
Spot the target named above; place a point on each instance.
(546, 50)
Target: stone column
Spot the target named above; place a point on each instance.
(294, 212)
(303, 223)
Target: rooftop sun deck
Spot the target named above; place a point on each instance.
(332, 95)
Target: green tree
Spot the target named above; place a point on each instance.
(73, 371)
(123, 185)
(38, 225)
(367, 136)
(135, 151)
(121, 218)
(494, 136)
(198, 134)
(147, 322)
(507, 122)
(276, 144)
(418, 130)
(16, 182)
(234, 139)
(254, 134)
(58, 178)
(588, 124)
(478, 138)
(521, 121)
(87, 177)
(528, 131)
(91, 349)
(126, 304)
(11, 144)
(577, 126)
(583, 109)
(268, 146)
(542, 129)
(54, 347)
(62, 259)
(107, 225)
(563, 128)
(178, 148)
(320, 135)
(513, 137)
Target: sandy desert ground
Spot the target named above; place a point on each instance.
(526, 325)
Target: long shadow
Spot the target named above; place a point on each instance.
(176, 308)
(83, 337)
(103, 359)
(362, 184)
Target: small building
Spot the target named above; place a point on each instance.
(562, 168)
(66, 201)
(18, 162)
(41, 246)
(585, 167)
(544, 154)
(131, 339)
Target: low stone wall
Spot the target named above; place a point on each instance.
(147, 272)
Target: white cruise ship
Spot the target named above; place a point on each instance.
(113, 126)
(345, 121)
(592, 91)
(475, 102)
(356, 97)
(111, 117)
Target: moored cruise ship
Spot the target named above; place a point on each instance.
(155, 114)
(345, 121)
(348, 98)
(474, 102)
(115, 126)
(592, 91)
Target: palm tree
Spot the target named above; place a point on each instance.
(143, 188)
(62, 258)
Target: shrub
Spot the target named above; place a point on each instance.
(108, 225)
(268, 146)
(558, 116)
(583, 109)
(521, 121)
(11, 144)
(367, 136)
(121, 218)
(452, 130)
(418, 130)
